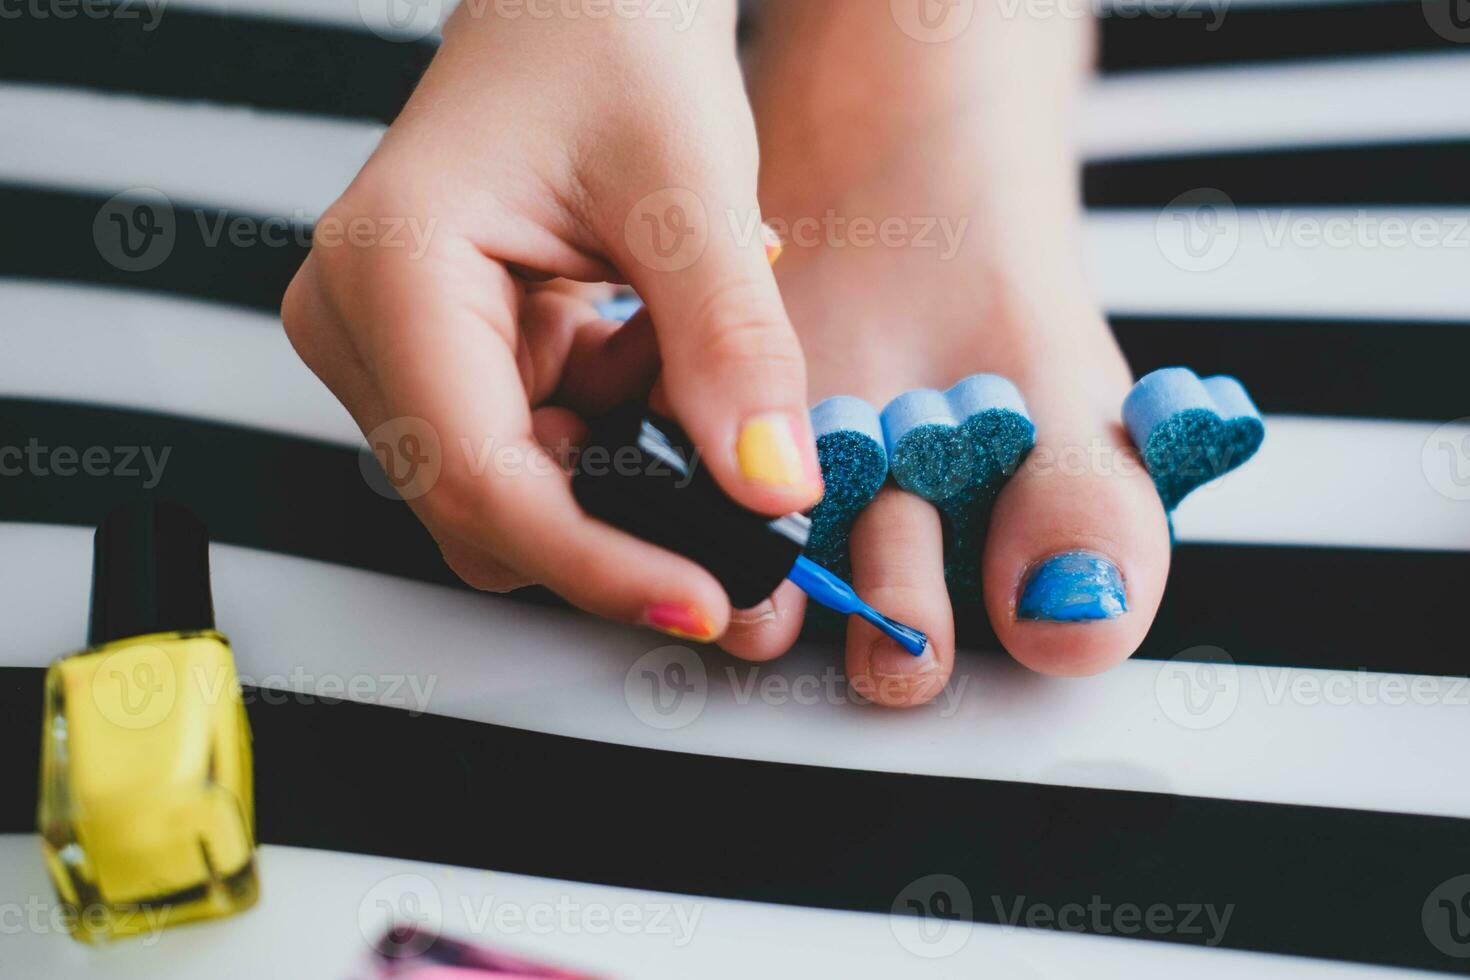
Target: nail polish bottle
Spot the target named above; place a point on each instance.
(146, 805)
(640, 472)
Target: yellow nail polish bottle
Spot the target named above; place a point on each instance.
(146, 812)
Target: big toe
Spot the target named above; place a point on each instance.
(1078, 550)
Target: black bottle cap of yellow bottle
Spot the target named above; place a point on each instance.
(150, 573)
(639, 472)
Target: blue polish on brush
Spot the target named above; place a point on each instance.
(836, 594)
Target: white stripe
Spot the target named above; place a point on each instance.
(1343, 739)
(317, 906)
(281, 162)
(1316, 480)
(1206, 256)
(272, 163)
(162, 354)
(1400, 97)
(1336, 482)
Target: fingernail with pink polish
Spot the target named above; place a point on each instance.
(680, 620)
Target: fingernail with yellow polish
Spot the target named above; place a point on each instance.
(768, 452)
(677, 619)
(774, 246)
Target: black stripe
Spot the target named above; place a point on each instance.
(262, 490)
(1301, 880)
(1403, 370)
(315, 68)
(1272, 32)
(1427, 173)
(1396, 611)
(211, 253)
(1316, 367)
(291, 65)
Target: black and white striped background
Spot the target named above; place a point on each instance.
(1308, 781)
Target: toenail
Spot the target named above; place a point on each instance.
(888, 660)
(763, 613)
(896, 677)
(1073, 587)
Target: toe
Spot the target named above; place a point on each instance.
(1078, 550)
(768, 630)
(898, 567)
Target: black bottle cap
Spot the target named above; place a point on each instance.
(640, 473)
(150, 573)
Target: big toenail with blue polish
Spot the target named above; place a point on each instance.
(956, 449)
(1191, 430)
(854, 466)
(1074, 587)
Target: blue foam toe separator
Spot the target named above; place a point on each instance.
(854, 466)
(956, 449)
(1191, 430)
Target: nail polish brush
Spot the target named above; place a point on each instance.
(639, 472)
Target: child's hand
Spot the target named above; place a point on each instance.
(593, 149)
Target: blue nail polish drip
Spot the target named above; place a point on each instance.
(1073, 587)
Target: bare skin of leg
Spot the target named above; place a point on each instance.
(967, 146)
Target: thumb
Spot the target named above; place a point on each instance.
(733, 370)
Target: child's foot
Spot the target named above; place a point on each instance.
(979, 270)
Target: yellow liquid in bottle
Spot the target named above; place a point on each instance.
(146, 807)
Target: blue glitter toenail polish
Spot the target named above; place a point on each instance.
(1073, 587)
